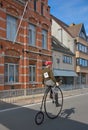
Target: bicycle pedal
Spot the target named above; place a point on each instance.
(53, 101)
(58, 105)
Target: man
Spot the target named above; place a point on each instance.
(49, 80)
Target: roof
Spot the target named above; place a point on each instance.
(73, 30)
(59, 21)
(62, 24)
(57, 46)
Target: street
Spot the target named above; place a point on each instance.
(74, 116)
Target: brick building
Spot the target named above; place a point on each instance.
(25, 42)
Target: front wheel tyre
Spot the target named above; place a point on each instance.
(53, 110)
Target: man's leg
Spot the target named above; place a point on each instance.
(51, 94)
(56, 100)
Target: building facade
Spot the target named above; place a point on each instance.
(65, 68)
(74, 38)
(25, 42)
(63, 62)
(81, 51)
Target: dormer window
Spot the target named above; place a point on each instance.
(82, 34)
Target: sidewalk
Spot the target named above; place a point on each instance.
(38, 98)
(32, 99)
(75, 92)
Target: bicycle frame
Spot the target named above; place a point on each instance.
(39, 118)
(47, 89)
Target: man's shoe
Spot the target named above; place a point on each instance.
(51, 96)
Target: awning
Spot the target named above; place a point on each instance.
(64, 73)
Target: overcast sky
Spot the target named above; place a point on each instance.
(70, 11)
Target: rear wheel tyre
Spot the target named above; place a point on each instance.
(39, 118)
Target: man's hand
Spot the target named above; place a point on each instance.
(42, 85)
(57, 84)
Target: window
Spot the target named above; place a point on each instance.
(67, 59)
(32, 73)
(58, 60)
(42, 8)
(35, 5)
(11, 27)
(44, 39)
(22, 1)
(32, 35)
(82, 62)
(83, 35)
(11, 73)
(82, 48)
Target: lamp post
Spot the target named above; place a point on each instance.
(80, 78)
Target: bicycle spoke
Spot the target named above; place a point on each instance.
(39, 118)
(51, 108)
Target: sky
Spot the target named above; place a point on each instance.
(70, 11)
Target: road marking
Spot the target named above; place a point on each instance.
(74, 96)
(30, 105)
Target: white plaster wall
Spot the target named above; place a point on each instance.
(61, 65)
(58, 32)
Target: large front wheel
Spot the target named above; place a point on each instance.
(51, 110)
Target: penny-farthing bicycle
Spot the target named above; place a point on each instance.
(51, 110)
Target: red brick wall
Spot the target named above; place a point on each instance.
(25, 58)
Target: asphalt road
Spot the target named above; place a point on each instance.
(74, 116)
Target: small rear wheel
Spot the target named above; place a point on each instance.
(39, 118)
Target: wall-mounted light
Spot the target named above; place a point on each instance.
(23, 50)
(1, 47)
(75, 40)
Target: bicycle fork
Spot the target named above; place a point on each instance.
(41, 104)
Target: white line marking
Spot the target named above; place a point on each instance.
(74, 96)
(10, 109)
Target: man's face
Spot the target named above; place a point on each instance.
(50, 66)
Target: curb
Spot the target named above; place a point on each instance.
(32, 99)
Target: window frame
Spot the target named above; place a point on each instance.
(82, 48)
(82, 62)
(11, 27)
(32, 74)
(14, 75)
(44, 39)
(83, 35)
(42, 8)
(67, 59)
(35, 5)
(32, 35)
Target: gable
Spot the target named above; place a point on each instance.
(82, 33)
